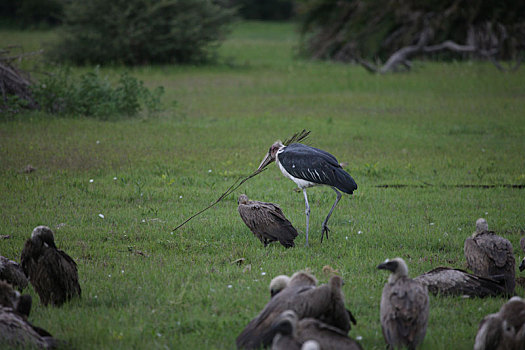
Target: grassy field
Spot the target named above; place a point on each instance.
(432, 133)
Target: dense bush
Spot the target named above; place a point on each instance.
(141, 31)
(265, 9)
(93, 95)
(31, 13)
(358, 29)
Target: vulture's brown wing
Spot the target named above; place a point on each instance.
(11, 272)
(57, 274)
(497, 248)
(449, 281)
(266, 220)
(305, 301)
(475, 257)
(409, 309)
(327, 336)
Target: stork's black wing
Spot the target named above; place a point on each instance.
(317, 166)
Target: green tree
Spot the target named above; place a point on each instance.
(137, 32)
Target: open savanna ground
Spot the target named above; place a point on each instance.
(448, 139)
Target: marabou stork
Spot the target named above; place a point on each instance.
(309, 166)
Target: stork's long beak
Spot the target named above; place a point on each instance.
(267, 160)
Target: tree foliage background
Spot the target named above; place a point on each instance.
(353, 30)
(137, 32)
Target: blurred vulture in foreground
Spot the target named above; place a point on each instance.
(292, 333)
(449, 281)
(15, 330)
(504, 330)
(12, 273)
(489, 255)
(51, 271)
(280, 282)
(266, 221)
(301, 295)
(404, 307)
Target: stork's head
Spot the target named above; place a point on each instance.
(397, 266)
(272, 153)
(43, 235)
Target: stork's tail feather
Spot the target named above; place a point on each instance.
(345, 182)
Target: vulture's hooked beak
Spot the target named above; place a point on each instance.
(267, 160)
(387, 265)
(522, 265)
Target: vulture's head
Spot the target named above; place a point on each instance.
(13, 299)
(243, 199)
(278, 284)
(272, 153)
(311, 345)
(42, 235)
(285, 323)
(396, 266)
(302, 278)
(481, 225)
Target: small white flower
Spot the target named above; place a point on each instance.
(172, 233)
(486, 213)
(143, 220)
(346, 238)
(209, 170)
(101, 216)
(109, 275)
(122, 271)
(359, 337)
(95, 297)
(91, 180)
(159, 335)
(459, 228)
(115, 178)
(98, 142)
(359, 232)
(431, 224)
(180, 197)
(263, 273)
(229, 286)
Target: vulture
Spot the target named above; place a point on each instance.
(266, 221)
(51, 271)
(404, 307)
(489, 255)
(449, 281)
(504, 330)
(12, 273)
(15, 330)
(290, 331)
(301, 295)
(280, 282)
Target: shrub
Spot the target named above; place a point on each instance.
(141, 31)
(93, 95)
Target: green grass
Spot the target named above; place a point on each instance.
(144, 286)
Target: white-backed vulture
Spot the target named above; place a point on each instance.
(299, 278)
(15, 329)
(504, 330)
(12, 273)
(449, 281)
(404, 307)
(266, 221)
(489, 255)
(323, 302)
(51, 271)
(295, 331)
